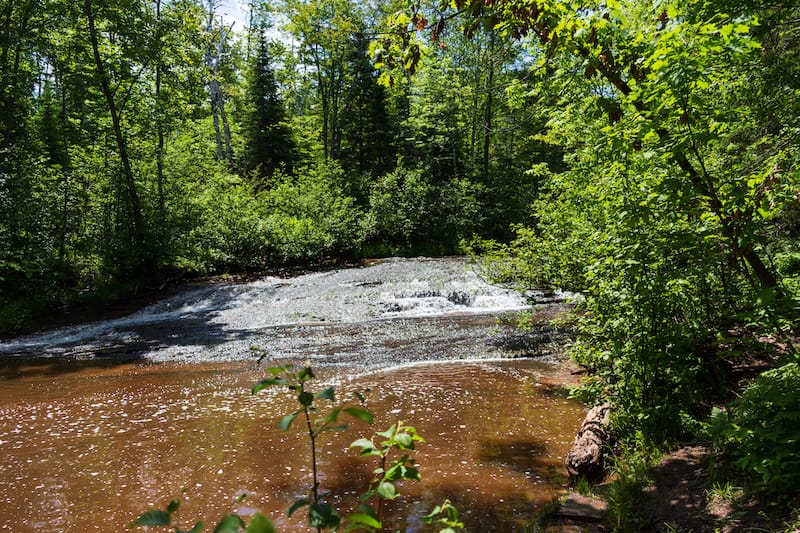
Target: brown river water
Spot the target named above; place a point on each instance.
(88, 443)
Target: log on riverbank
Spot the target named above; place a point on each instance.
(585, 457)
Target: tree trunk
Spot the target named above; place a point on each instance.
(213, 57)
(105, 86)
(487, 123)
(585, 457)
(160, 120)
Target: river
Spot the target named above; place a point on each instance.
(103, 421)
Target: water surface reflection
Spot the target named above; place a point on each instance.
(89, 449)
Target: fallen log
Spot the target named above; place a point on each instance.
(585, 457)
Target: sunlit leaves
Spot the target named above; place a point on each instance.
(324, 516)
(358, 520)
(386, 490)
(287, 420)
(230, 524)
(327, 394)
(360, 414)
(444, 514)
(260, 524)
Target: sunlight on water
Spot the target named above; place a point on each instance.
(397, 288)
(104, 445)
(92, 440)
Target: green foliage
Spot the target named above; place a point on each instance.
(668, 213)
(269, 143)
(407, 208)
(759, 431)
(228, 524)
(229, 230)
(445, 515)
(391, 448)
(399, 438)
(117, 144)
(632, 472)
(310, 217)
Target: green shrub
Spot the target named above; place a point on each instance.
(400, 207)
(760, 432)
(408, 209)
(311, 217)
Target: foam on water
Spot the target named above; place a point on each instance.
(218, 314)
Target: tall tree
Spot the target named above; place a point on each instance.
(368, 136)
(323, 29)
(104, 80)
(218, 35)
(269, 144)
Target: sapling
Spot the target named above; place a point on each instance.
(398, 437)
(321, 515)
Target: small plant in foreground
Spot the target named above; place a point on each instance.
(321, 515)
(382, 487)
(229, 524)
(446, 515)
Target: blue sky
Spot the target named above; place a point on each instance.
(234, 10)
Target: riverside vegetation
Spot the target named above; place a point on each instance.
(643, 155)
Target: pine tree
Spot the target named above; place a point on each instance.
(269, 143)
(368, 135)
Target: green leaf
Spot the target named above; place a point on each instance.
(404, 441)
(287, 420)
(430, 516)
(277, 370)
(387, 491)
(305, 398)
(229, 524)
(364, 519)
(306, 374)
(327, 394)
(388, 433)
(263, 384)
(323, 515)
(364, 444)
(361, 414)
(341, 427)
(260, 524)
(411, 473)
(173, 506)
(301, 502)
(153, 518)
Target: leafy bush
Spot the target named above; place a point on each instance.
(310, 216)
(230, 231)
(760, 431)
(407, 210)
(302, 218)
(400, 207)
